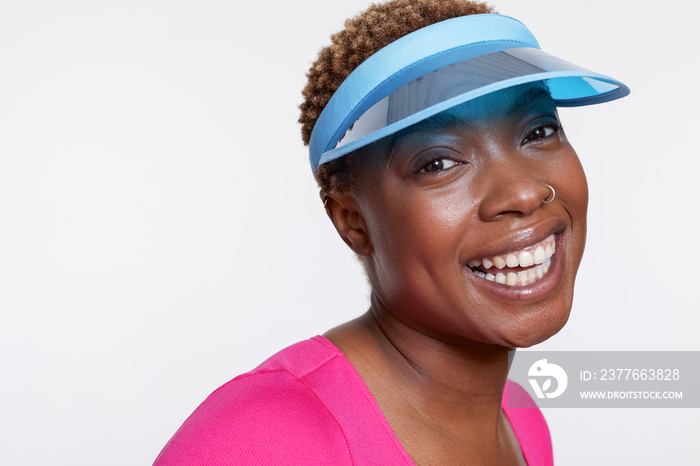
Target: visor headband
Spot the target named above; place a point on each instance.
(363, 108)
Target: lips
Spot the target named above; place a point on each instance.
(517, 268)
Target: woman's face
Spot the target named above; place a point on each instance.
(465, 186)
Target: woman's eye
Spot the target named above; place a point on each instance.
(540, 133)
(439, 164)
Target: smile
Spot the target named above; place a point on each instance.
(517, 268)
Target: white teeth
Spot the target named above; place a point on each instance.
(522, 277)
(549, 250)
(540, 255)
(535, 262)
(531, 274)
(525, 259)
(539, 271)
(499, 262)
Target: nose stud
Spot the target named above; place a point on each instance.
(549, 198)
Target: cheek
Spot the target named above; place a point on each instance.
(416, 239)
(574, 188)
(423, 226)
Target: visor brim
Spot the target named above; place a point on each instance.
(569, 86)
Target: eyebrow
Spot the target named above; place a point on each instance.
(457, 115)
(526, 98)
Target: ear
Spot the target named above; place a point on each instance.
(348, 222)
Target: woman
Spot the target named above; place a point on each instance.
(433, 133)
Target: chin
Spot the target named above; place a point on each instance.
(537, 330)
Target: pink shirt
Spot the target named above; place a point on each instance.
(308, 405)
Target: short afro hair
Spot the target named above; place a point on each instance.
(363, 36)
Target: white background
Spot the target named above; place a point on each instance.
(160, 231)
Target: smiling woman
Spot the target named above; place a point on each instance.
(434, 135)
(462, 191)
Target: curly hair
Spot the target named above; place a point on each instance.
(363, 36)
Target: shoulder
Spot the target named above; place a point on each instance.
(270, 415)
(528, 423)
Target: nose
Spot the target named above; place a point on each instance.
(511, 189)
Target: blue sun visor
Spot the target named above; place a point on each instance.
(439, 67)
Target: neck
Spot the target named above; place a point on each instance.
(442, 382)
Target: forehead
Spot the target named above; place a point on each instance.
(492, 110)
(490, 107)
